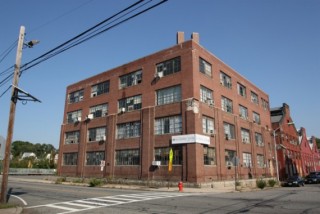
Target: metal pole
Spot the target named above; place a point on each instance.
(4, 184)
(275, 153)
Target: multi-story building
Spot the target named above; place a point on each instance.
(287, 141)
(310, 157)
(123, 123)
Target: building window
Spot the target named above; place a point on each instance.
(100, 88)
(94, 158)
(258, 138)
(75, 97)
(130, 103)
(230, 157)
(162, 155)
(243, 112)
(169, 95)
(245, 135)
(99, 110)
(70, 159)
(207, 125)
(247, 159)
(256, 118)
(72, 137)
(205, 67)
(168, 125)
(260, 161)
(97, 134)
(226, 105)
(206, 95)
(128, 130)
(225, 80)
(265, 104)
(254, 98)
(168, 67)
(131, 79)
(229, 131)
(128, 157)
(209, 155)
(73, 117)
(242, 91)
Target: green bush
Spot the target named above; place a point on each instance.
(78, 181)
(60, 180)
(272, 182)
(261, 183)
(95, 182)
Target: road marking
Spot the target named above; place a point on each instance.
(94, 203)
(23, 201)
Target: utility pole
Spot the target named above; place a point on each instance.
(14, 96)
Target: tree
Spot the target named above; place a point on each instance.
(318, 142)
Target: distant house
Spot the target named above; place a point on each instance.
(28, 155)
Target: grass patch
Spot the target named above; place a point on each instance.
(96, 182)
(7, 206)
(60, 180)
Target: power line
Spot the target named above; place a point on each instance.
(8, 50)
(78, 40)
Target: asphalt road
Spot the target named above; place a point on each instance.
(53, 198)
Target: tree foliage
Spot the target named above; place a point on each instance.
(18, 148)
(318, 142)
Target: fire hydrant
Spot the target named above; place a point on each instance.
(180, 185)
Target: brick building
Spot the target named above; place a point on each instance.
(122, 123)
(287, 140)
(310, 157)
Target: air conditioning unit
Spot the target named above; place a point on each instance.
(93, 94)
(122, 110)
(90, 116)
(80, 98)
(210, 102)
(212, 132)
(103, 138)
(77, 120)
(156, 163)
(130, 108)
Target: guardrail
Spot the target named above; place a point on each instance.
(26, 171)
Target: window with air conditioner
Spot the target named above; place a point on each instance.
(130, 103)
(99, 110)
(74, 116)
(207, 125)
(245, 136)
(75, 96)
(131, 79)
(168, 67)
(96, 134)
(72, 137)
(206, 94)
(101, 88)
(229, 131)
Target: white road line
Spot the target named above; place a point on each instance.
(23, 201)
(94, 203)
(80, 205)
(62, 208)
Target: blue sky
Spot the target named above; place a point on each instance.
(273, 43)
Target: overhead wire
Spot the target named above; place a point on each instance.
(77, 40)
(90, 33)
(8, 50)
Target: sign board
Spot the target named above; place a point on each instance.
(191, 138)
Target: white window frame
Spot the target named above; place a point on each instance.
(168, 125)
(205, 67)
(207, 125)
(131, 79)
(247, 159)
(169, 95)
(226, 104)
(242, 90)
(96, 134)
(225, 80)
(245, 136)
(229, 131)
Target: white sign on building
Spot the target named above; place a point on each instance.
(191, 138)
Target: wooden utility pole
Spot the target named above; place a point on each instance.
(14, 94)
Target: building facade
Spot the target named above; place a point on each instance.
(310, 157)
(124, 122)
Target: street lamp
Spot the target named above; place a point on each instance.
(275, 149)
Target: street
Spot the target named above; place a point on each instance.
(55, 198)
